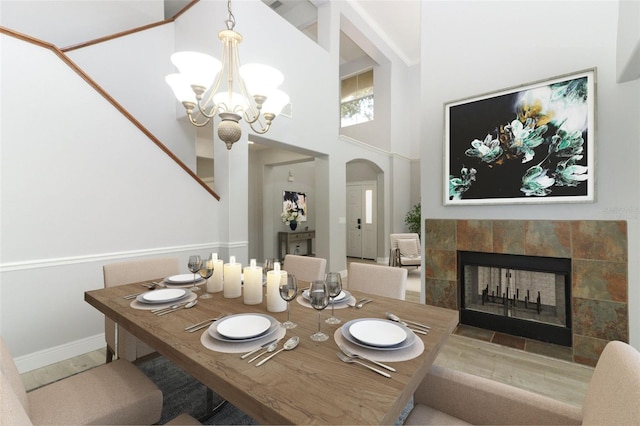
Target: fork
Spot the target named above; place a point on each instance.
(350, 354)
(348, 360)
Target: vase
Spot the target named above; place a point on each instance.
(293, 225)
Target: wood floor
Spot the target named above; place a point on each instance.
(557, 378)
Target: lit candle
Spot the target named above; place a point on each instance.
(232, 280)
(216, 282)
(252, 284)
(275, 303)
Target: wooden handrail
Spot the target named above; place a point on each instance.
(131, 31)
(62, 55)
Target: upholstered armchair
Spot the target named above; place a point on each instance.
(405, 250)
(119, 341)
(305, 268)
(381, 280)
(448, 396)
(116, 393)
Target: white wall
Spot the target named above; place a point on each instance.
(81, 186)
(461, 58)
(95, 190)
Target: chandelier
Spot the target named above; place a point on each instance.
(207, 87)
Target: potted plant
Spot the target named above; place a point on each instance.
(412, 219)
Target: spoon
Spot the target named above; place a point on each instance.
(272, 347)
(393, 317)
(397, 319)
(288, 345)
(187, 306)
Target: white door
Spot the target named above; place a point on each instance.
(361, 220)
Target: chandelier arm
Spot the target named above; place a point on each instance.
(262, 130)
(195, 121)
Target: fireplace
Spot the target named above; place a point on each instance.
(599, 265)
(528, 296)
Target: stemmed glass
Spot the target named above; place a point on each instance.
(288, 291)
(206, 270)
(334, 286)
(319, 298)
(268, 266)
(194, 266)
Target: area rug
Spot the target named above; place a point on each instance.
(183, 394)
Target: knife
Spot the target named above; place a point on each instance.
(417, 324)
(248, 354)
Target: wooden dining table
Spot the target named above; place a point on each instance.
(307, 385)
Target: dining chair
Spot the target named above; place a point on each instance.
(117, 393)
(381, 280)
(119, 341)
(405, 250)
(305, 268)
(447, 396)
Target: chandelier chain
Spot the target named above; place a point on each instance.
(231, 20)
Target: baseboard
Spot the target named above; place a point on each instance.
(50, 356)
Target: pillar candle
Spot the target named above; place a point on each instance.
(216, 281)
(275, 303)
(232, 281)
(252, 284)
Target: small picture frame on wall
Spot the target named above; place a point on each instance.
(295, 201)
(533, 143)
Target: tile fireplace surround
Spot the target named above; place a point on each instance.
(598, 250)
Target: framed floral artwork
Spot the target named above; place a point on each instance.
(294, 206)
(528, 144)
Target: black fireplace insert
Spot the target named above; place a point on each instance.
(527, 296)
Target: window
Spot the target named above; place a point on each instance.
(368, 207)
(356, 99)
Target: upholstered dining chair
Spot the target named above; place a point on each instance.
(405, 250)
(305, 268)
(117, 393)
(119, 340)
(381, 280)
(448, 396)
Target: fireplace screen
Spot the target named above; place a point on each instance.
(523, 295)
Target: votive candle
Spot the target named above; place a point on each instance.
(232, 281)
(252, 284)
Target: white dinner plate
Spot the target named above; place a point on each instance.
(182, 278)
(243, 326)
(407, 342)
(377, 332)
(275, 326)
(164, 295)
(342, 297)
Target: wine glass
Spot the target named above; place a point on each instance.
(334, 286)
(206, 270)
(288, 291)
(319, 298)
(268, 266)
(194, 266)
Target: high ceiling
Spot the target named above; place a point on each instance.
(397, 22)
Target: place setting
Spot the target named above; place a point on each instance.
(338, 297)
(164, 299)
(381, 340)
(241, 333)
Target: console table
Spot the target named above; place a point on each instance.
(286, 238)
